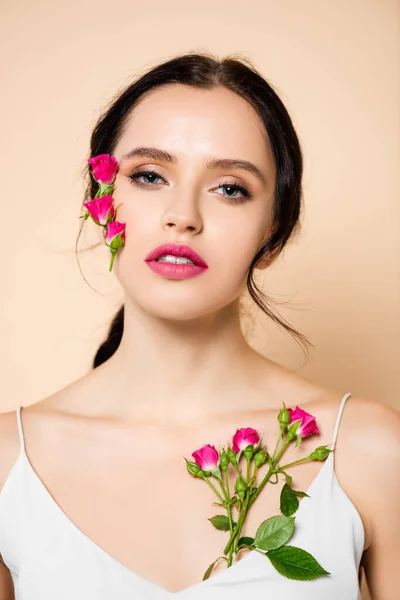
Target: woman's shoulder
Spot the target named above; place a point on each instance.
(40, 415)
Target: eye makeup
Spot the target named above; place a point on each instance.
(246, 194)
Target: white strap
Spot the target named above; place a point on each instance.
(20, 430)
(339, 416)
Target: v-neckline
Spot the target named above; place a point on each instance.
(144, 581)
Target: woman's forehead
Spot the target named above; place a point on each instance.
(195, 121)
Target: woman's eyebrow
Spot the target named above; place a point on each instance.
(225, 163)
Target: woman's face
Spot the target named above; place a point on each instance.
(188, 202)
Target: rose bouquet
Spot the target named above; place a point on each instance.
(100, 208)
(273, 534)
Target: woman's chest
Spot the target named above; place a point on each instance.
(136, 500)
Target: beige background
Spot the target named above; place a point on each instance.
(336, 67)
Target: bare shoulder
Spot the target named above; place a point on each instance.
(375, 431)
(374, 426)
(377, 428)
(370, 433)
(9, 444)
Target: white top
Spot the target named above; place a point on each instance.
(51, 559)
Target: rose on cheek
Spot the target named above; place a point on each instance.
(100, 208)
(104, 167)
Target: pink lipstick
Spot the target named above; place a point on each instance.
(168, 260)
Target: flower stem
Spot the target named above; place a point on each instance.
(241, 521)
(112, 261)
(213, 488)
(277, 444)
(248, 470)
(228, 498)
(249, 501)
(296, 462)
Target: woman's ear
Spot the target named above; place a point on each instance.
(267, 260)
(270, 256)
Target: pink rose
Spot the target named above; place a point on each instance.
(243, 438)
(308, 424)
(115, 234)
(104, 167)
(101, 209)
(207, 457)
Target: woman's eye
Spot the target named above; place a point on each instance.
(150, 175)
(231, 189)
(234, 187)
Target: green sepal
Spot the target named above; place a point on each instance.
(105, 189)
(217, 473)
(193, 468)
(320, 453)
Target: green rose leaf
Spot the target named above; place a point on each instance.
(298, 493)
(221, 522)
(295, 563)
(274, 532)
(210, 568)
(288, 501)
(245, 542)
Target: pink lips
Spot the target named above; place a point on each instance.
(172, 270)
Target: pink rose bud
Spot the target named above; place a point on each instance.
(114, 238)
(206, 457)
(243, 438)
(101, 209)
(104, 167)
(307, 426)
(115, 234)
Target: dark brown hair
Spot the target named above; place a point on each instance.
(205, 71)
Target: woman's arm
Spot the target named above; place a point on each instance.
(9, 448)
(6, 583)
(382, 468)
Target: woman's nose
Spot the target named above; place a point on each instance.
(183, 216)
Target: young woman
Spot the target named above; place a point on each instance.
(96, 502)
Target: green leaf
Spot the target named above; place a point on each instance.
(288, 501)
(221, 522)
(298, 493)
(245, 542)
(274, 532)
(210, 568)
(295, 563)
